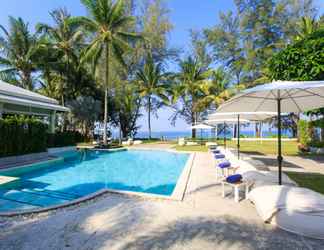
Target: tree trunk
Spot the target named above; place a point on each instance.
(120, 134)
(193, 121)
(149, 117)
(106, 96)
(257, 130)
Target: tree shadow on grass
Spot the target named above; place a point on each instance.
(271, 162)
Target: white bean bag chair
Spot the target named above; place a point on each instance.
(138, 142)
(295, 209)
(264, 178)
(191, 143)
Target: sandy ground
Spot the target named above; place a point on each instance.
(203, 220)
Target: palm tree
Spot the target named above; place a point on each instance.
(64, 37)
(306, 26)
(188, 90)
(109, 24)
(18, 48)
(215, 90)
(152, 86)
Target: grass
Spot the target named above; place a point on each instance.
(265, 147)
(256, 147)
(313, 181)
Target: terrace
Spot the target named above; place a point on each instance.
(202, 220)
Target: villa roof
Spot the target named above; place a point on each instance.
(18, 96)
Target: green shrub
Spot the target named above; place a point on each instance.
(66, 138)
(22, 135)
(304, 134)
(316, 144)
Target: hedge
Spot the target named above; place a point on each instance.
(22, 135)
(62, 139)
(25, 135)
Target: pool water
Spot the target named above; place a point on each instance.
(80, 174)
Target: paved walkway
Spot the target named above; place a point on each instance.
(202, 221)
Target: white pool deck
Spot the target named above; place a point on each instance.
(203, 220)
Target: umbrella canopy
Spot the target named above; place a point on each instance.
(279, 96)
(239, 118)
(294, 96)
(251, 116)
(201, 126)
(225, 120)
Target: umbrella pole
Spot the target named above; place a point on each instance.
(224, 135)
(238, 136)
(279, 139)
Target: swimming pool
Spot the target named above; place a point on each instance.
(80, 174)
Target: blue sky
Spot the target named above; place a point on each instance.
(185, 15)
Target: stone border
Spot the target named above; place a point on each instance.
(177, 194)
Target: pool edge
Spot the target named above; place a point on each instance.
(177, 194)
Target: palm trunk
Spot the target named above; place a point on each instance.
(193, 131)
(106, 95)
(149, 116)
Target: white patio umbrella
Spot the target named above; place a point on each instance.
(201, 126)
(250, 116)
(225, 120)
(279, 96)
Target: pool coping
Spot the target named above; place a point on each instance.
(177, 194)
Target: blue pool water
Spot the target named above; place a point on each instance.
(154, 172)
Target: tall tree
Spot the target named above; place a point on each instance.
(110, 25)
(18, 48)
(245, 39)
(155, 25)
(186, 91)
(226, 44)
(151, 79)
(64, 37)
(199, 48)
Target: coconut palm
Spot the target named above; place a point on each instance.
(109, 25)
(65, 37)
(215, 90)
(17, 51)
(151, 79)
(306, 26)
(187, 91)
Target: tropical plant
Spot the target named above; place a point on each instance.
(64, 37)
(18, 48)
(152, 87)
(126, 109)
(86, 111)
(306, 26)
(216, 90)
(186, 92)
(302, 60)
(245, 39)
(111, 37)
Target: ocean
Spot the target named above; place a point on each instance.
(172, 135)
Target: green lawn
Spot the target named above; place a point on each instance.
(312, 181)
(265, 147)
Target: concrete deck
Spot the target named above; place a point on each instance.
(202, 221)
